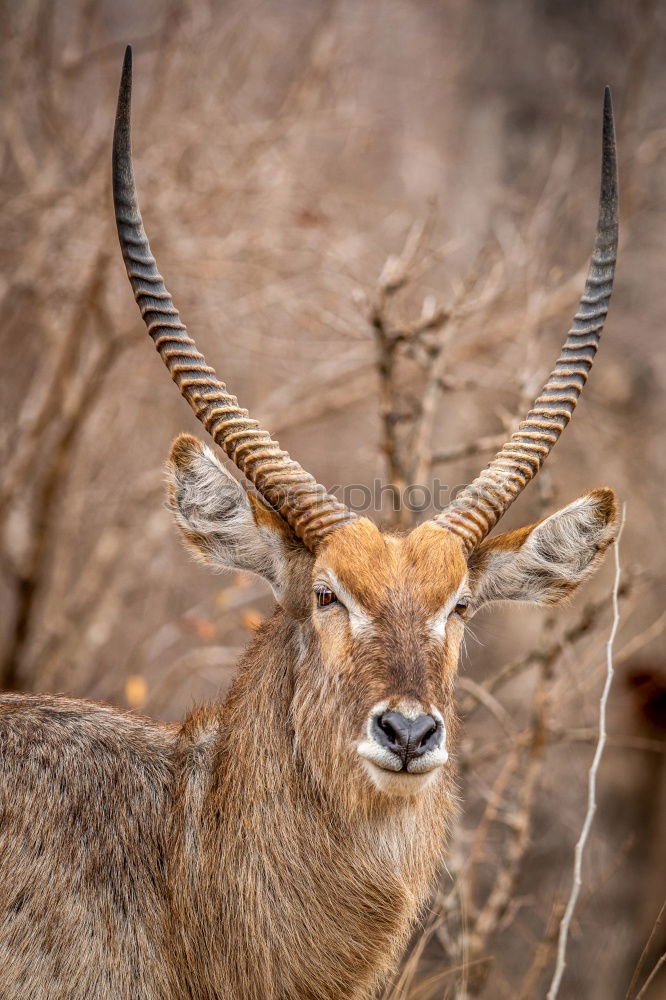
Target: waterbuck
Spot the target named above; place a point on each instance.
(278, 846)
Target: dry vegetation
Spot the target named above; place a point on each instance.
(375, 218)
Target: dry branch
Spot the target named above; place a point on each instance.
(592, 780)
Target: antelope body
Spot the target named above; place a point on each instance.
(281, 845)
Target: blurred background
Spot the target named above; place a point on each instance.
(375, 219)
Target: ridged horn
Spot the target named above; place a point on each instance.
(311, 512)
(478, 508)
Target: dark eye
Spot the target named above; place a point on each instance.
(462, 607)
(325, 597)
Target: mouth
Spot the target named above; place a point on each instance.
(399, 783)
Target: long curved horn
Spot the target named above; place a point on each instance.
(478, 508)
(311, 512)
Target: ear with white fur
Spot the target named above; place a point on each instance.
(223, 525)
(545, 563)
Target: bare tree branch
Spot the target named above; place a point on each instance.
(560, 964)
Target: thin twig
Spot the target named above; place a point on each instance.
(488, 700)
(546, 654)
(592, 782)
(498, 898)
(660, 961)
(389, 337)
(542, 953)
(468, 449)
(645, 952)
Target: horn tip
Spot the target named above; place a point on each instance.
(609, 179)
(126, 76)
(121, 135)
(121, 151)
(609, 126)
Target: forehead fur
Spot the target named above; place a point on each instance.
(428, 564)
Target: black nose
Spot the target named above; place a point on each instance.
(407, 738)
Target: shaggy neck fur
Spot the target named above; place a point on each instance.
(302, 895)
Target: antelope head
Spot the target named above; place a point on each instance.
(379, 617)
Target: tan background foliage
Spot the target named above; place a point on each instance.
(284, 150)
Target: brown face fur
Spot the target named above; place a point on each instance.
(384, 641)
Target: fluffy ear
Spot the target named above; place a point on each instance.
(223, 525)
(546, 562)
